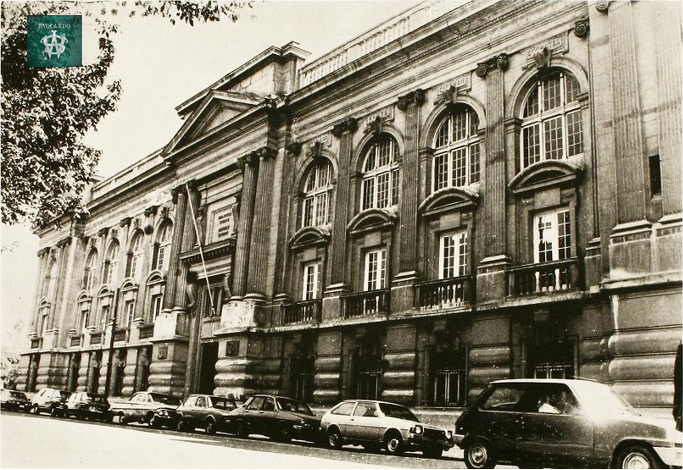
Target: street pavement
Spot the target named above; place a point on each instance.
(28, 441)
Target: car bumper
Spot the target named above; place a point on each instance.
(671, 456)
(459, 439)
(420, 442)
(305, 433)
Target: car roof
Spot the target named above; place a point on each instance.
(354, 400)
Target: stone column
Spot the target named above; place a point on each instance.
(668, 60)
(260, 249)
(180, 200)
(344, 132)
(44, 258)
(628, 134)
(188, 239)
(249, 165)
(410, 104)
(491, 281)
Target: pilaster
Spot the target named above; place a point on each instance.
(180, 200)
(344, 132)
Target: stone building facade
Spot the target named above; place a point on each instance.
(468, 192)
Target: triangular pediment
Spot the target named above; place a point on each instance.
(217, 108)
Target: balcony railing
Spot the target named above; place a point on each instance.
(146, 331)
(366, 303)
(542, 278)
(444, 293)
(121, 334)
(306, 311)
(76, 340)
(97, 338)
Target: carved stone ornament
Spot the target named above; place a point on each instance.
(347, 125)
(250, 159)
(266, 152)
(114, 233)
(376, 126)
(293, 148)
(581, 27)
(136, 223)
(315, 150)
(148, 229)
(602, 6)
(501, 61)
(543, 58)
(164, 211)
(414, 97)
(103, 232)
(151, 210)
(125, 222)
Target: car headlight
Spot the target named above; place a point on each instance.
(163, 412)
(417, 429)
(449, 434)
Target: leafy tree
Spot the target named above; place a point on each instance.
(46, 112)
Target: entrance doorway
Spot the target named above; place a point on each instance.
(207, 372)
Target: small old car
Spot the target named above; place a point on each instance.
(380, 424)
(206, 411)
(280, 418)
(12, 400)
(536, 423)
(50, 400)
(141, 407)
(86, 405)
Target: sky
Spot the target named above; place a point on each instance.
(160, 66)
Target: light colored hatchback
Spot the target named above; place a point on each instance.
(380, 424)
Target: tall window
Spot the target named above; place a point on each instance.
(311, 284)
(453, 255)
(212, 304)
(50, 283)
(448, 377)
(111, 265)
(136, 255)
(44, 317)
(128, 313)
(380, 174)
(456, 158)
(163, 248)
(551, 127)
(104, 316)
(316, 208)
(90, 273)
(85, 318)
(552, 242)
(375, 270)
(157, 304)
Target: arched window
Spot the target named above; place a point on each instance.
(456, 158)
(163, 247)
(90, 272)
(135, 257)
(551, 120)
(111, 265)
(380, 174)
(316, 205)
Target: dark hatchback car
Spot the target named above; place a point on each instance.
(50, 400)
(86, 405)
(277, 417)
(12, 400)
(534, 423)
(206, 411)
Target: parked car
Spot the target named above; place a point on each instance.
(12, 400)
(164, 417)
(552, 422)
(141, 407)
(88, 405)
(206, 411)
(50, 400)
(277, 417)
(380, 424)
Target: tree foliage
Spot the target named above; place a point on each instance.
(46, 112)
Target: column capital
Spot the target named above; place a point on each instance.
(603, 6)
(347, 125)
(43, 251)
(416, 97)
(125, 222)
(293, 148)
(500, 61)
(103, 231)
(151, 210)
(581, 27)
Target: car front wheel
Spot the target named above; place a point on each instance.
(478, 455)
(35, 410)
(637, 457)
(210, 427)
(241, 430)
(393, 443)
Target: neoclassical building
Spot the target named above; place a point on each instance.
(469, 191)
